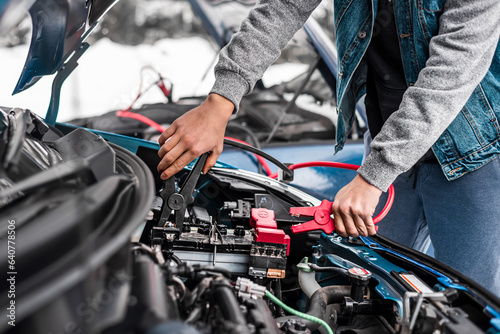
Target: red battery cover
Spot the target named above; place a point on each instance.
(266, 228)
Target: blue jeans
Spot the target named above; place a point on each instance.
(461, 217)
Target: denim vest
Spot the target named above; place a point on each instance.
(473, 138)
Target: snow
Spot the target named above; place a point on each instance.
(108, 76)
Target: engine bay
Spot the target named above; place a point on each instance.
(237, 235)
(209, 253)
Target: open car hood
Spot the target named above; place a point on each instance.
(59, 28)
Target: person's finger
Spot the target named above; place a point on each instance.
(339, 226)
(344, 223)
(168, 145)
(350, 226)
(170, 157)
(337, 218)
(360, 226)
(340, 223)
(167, 134)
(178, 165)
(211, 160)
(370, 226)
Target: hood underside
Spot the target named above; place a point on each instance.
(59, 28)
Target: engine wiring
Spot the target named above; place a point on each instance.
(290, 310)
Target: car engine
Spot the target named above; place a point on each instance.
(102, 246)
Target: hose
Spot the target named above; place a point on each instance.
(261, 153)
(317, 306)
(261, 160)
(337, 270)
(309, 318)
(212, 269)
(225, 298)
(308, 283)
(253, 139)
(182, 287)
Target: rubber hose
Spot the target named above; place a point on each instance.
(308, 283)
(318, 302)
(225, 298)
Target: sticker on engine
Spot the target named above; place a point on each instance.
(416, 283)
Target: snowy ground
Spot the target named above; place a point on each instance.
(108, 76)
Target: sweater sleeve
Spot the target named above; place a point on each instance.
(258, 43)
(459, 58)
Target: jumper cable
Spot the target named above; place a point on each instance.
(322, 214)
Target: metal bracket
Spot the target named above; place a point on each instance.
(65, 70)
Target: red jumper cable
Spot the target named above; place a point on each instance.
(322, 213)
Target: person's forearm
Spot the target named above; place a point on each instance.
(267, 29)
(460, 56)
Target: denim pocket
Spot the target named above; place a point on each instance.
(475, 127)
(429, 12)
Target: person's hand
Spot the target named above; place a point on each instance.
(354, 207)
(198, 131)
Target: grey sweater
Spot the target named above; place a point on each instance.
(460, 56)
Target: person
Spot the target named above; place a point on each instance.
(431, 73)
